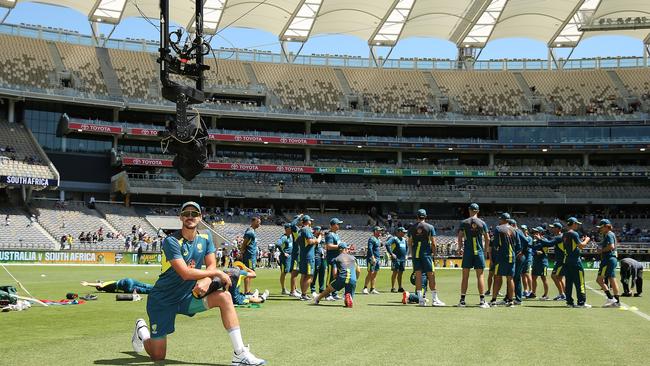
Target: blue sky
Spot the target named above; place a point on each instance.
(54, 16)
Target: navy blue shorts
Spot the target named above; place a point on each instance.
(505, 269)
(285, 262)
(163, 317)
(424, 264)
(373, 267)
(608, 268)
(307, 266)
(540, 268)
(558, 269)
(398, 265)
(339, 283)
(473, 261)
(250, 261)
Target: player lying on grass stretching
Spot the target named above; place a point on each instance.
(183, 255)
(126, 285)
(238, 274)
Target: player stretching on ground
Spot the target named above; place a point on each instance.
(472, 234)
(183, 255)
(396, 247)
(608, 263)
(125, 285)
(372, 259)
(422, 245)
(345, 272)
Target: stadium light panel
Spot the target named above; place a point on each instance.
(107, 11)
(390, 29)
(571, 32)
(482, 29)
(212, 11)
(301, 22)
(642, 149)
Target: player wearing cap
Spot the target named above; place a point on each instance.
(320, 264)
(332, 251)
(372, 259)
(307, 242)
(540, 264)
(396, 248)
(503, 239)
(422, 245)
(249, 250)
(296, 225)
(520, 259)
(527, 250)
(608, 264)
(183, 254)
(555, 242)
(345, 274)
(285, 243)
(631, 269)
(472, 236)
(574, 273)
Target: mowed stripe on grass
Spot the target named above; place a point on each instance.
(379, 330)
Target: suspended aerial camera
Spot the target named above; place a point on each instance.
(186, 136)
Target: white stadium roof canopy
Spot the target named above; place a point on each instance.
(466, 23)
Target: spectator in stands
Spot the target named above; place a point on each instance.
(94, 238)
(82, 237)
(70, 241)
(89, 237)
(140, 254)
(133, 229)
(7, 220)
(91, 202)
(127, 243)
(64, 239)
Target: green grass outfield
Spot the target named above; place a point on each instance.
(379, 330)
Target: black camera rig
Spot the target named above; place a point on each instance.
(186, 136)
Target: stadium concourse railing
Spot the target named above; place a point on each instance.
(134, 183)
(63, 35)
(144, 131)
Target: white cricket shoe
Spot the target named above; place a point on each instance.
(136, 341)
(246, 358)
(365, 291)
(295, 294)
(265, 295)
(583, 306)
(484, 305)
(610, 303)
(374, 292)
(330, 298)
(437, 302)
(314, 294)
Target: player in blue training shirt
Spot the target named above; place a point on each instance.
(422, 245)
(396, 247)
(520, 248)
(503, 239)
(320, 264)
(540, 264)
(372, 259)
(574, 273)
(555, 242)
(296, 225)
(527, 251)
(332, 251)
(307, 243)
(285, 243)
(472, 235)
(345, 274)
(249, 250)
(183, 254)
(125, 285)
(608, 264)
